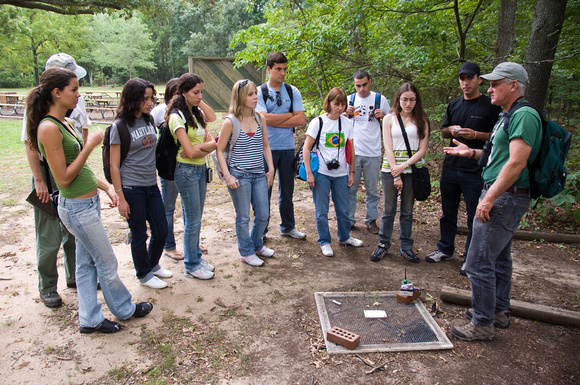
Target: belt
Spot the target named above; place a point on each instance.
(512, 189)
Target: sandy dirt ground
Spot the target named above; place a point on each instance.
(268, 315)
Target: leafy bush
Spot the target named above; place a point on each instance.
(15, 79)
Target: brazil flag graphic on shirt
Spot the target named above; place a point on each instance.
(334, 140)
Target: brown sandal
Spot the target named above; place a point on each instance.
(173, 254)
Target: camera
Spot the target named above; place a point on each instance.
(485, 151)
(332, 164)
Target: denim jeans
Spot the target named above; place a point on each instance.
(453, 184)
(192, 185)
(253, 190)
(369, 168)
(169, 194)
(146, 206)
(489, 261)
(323, 186)
(390, 210)
(282, 160)
(94, 257)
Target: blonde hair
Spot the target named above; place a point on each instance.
(240, 95)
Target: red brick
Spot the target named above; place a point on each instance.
(343, 337)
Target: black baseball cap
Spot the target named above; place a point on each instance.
(469, 68)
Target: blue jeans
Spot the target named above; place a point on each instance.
(253, 190)
(489, 261)
(370, 169)
(94, 257)
(146, 206)
(192, 186)
(390, 210)
(169, 194)
(282, 160)
(453, 184)
(323, 186)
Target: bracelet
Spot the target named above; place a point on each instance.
(474, 135)
(119, 190)
(472, 156)
(398, 176)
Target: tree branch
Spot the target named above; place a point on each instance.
(63, 7)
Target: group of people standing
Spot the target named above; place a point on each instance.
(255, 143)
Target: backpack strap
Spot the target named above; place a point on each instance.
(264, 88)
(124, 136)
(291, 95)
(377, 101)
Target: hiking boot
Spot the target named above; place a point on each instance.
(379, 253)
(293, 234)
(471, 332)
(352, 242)
(142, 309)
(253, 260)
(502, 318)
(410, 256)
(438, 256)
(206, 265)
(106, 327)
(199, 273)
(265, 252)
(327, 250)
(51, 299)
(372, 227)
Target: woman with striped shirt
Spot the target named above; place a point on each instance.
(244, 172)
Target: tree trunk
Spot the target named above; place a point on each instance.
(504, 45)
(541, 50)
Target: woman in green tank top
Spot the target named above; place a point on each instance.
(79, 206)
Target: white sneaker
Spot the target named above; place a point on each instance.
(199, 273)
(352, 242)
(293, 234)
(438, 256)
(327, 250)
(162, 273)
(206, 265)
(154, 283)
(252, 260)
(265, 252)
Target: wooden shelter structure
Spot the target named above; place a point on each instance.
(219, 76)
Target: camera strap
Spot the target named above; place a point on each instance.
(339, 132)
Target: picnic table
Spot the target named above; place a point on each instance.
(11, 104)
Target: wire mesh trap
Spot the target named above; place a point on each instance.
(404, 328)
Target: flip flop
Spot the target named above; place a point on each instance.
(176, 256)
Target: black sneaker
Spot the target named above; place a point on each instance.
(379, 253)
(51, 299)
(410, 256)
(142, 309)
(106, 327)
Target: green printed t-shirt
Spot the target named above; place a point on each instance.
(525, 123)
(85, 181)
(196, 136)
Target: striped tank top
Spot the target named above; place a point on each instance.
(248, 153)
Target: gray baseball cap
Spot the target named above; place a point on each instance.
(64, 60)
(508, 70)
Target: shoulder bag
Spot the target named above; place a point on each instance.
(421, 179)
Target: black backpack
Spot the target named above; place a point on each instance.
(166, 151)
(125, 144)
(547, 172)
(288, 90)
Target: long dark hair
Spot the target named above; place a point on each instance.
(39, 100)
(170, 90)
(418, 114)
(131, 99)
(185, 83)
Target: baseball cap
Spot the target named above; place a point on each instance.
(508, 70)
(64, 60)
(469, 68)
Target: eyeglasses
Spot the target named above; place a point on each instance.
(278, 99)
(242, 84)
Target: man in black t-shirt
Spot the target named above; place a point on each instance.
(470, 119)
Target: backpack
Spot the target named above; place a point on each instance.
(377, 103)
(236, 130)
(547, 172)
(299, 157)
(265, 94)
(125, 144)
(166, 151)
